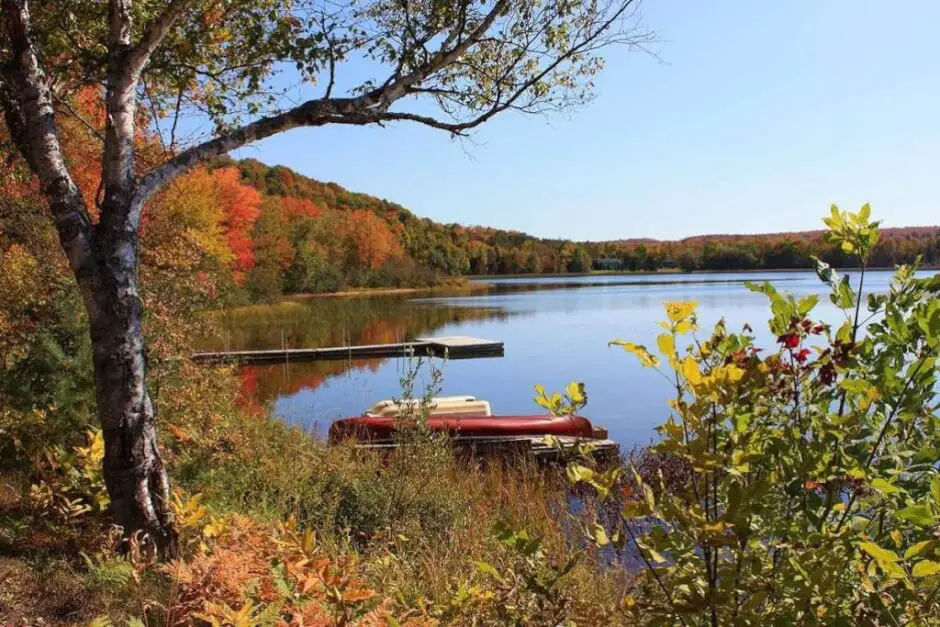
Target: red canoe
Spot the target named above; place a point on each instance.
(383, 428)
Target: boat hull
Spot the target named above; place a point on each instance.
(372, 428)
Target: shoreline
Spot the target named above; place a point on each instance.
(464, 283)
(479, 281)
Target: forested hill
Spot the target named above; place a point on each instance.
(313, 236)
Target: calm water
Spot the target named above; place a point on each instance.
(555, 331)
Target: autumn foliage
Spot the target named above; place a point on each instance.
(241, 207)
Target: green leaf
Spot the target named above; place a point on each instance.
(925, 568)
(884, 487)
(488, 569)
(919, 515)
(843, 296)
(935, 490)
(806, 304)
(825, 272)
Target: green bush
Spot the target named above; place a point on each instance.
(814, 495)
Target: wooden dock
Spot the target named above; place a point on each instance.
(535, 447)
(451, 347)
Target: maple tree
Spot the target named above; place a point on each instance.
(241, 206)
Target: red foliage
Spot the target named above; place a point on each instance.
(241, 205)
(299, 207)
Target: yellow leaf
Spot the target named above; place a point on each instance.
(896, 536)
(733, 373)
(690, 371)
(918, 549)
(679, 311)
(575, 391)
(648, 360)
(666, 344)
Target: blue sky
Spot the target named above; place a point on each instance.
(757, 116)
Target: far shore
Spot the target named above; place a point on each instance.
(470, 282)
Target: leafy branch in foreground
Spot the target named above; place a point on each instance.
(814, 494)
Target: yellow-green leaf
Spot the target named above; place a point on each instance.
(919, 549)
(919, 515)
(882, 556)
(883, 487)
(646, 359)
(925, 568)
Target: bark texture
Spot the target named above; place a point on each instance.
(133, 469)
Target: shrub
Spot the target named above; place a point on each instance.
(814, 495)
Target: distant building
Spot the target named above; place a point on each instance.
(608, 264)
(670, 263)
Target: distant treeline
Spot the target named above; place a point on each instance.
(311, 236)
(766, 252)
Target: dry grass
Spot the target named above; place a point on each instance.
(405, 534)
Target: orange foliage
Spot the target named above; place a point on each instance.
(369, 239)
(299, 207)
(253, 568)
(82, 147)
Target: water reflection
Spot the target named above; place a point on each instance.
(329, 322)
(554, 332)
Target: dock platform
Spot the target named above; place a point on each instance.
(451, 347)
(532, 446)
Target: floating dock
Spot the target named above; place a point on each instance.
(451, 347)
(525, 445)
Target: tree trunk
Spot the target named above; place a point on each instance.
(133, 469)
(103, 258)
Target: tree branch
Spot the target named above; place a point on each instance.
(372, 107)
(359, 110)
(459, 128)
(72, 112)
(444, 55)
(365, 109)
(155, 33)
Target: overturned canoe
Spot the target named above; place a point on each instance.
(377, 428)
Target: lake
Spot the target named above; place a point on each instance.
(555, 330)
